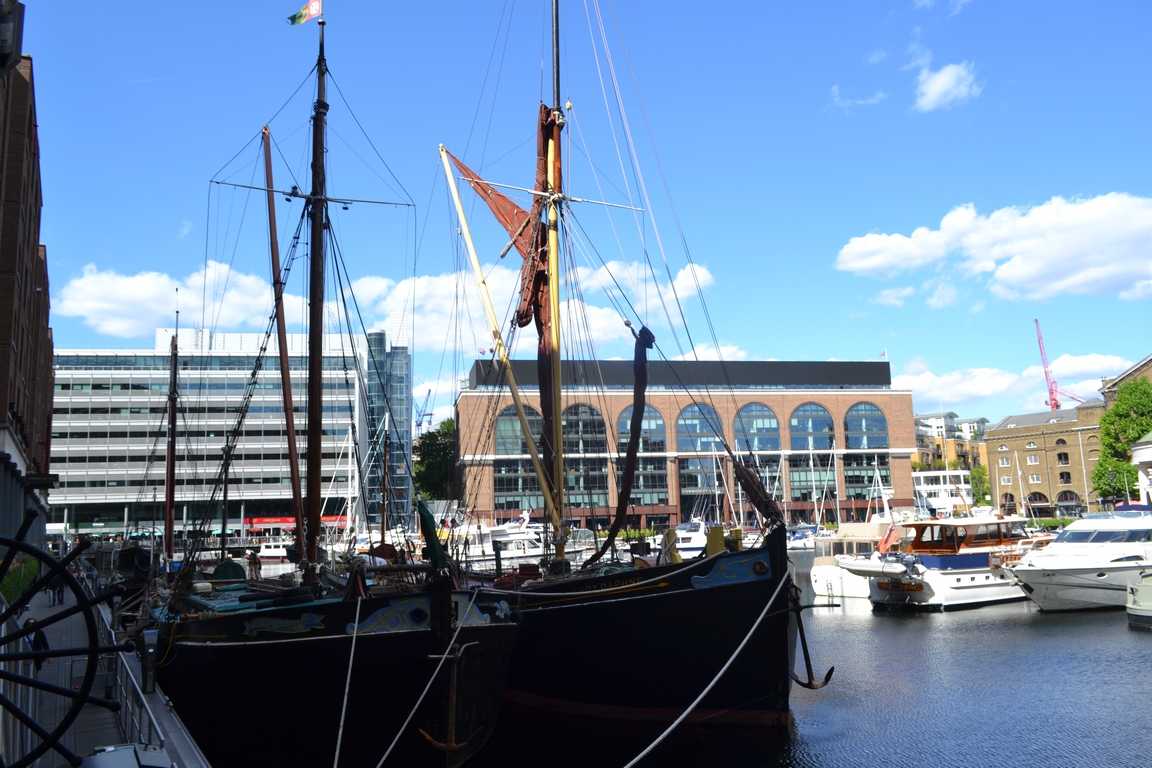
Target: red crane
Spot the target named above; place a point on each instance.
(1053, 389)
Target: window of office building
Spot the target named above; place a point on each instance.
(650, 483)
(514, 481)
(757, 429)
(1005, 461)
(860, 470)
(699, 430)
(585, 477)
(1033, 459)
(811, 428)
(865, 427)
(1033, 478)
(702, 488)
(811, 477)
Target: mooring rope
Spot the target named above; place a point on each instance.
(347, 683)
(719, 674)
(420, 701)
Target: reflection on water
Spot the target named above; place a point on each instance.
(999, 685)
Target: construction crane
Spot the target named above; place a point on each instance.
(1053, 389)
(423, 415)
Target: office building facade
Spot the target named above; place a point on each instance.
(388, 484)
(109, 421)
(816, 433)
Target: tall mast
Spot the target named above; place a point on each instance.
(170, 453)
(318, 205)
(554, 188)
(282, 340)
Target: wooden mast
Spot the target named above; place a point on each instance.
(318, 205)
(282, 341)
(554, 183)
(170, 452)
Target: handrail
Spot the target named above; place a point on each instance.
(131, 697)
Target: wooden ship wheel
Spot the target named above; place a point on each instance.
(23, 696)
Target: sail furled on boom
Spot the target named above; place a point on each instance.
(528, 231)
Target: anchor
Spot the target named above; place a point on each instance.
(811, 684)
(451, 745)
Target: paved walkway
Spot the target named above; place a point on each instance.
(95, 726)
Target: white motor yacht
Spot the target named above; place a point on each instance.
(949, 563)
(1090, 564)
(1139, 602)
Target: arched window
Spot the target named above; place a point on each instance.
(585, 476)
(1002, 448)
(812, 428)
(653, 438)
(583, 431)
(1030, 445)
(699, 430)
(865, 427)
(756, 429)
(1008, 503)
(514, 482)
(1061, 441)
(1038, 499)
(1068, 497)
(650, 483)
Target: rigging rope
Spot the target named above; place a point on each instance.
(416, 706)
(347, 684)
(732, 658)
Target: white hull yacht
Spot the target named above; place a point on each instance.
(1090, 564)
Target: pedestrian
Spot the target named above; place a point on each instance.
(39, 642)
(54, 591)
(59, 585)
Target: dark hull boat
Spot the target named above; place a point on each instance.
(683, 621)
(267, 663)
(263, 676)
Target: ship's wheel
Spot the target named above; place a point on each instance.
(26, 737)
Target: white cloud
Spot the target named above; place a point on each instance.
(954, 6)
(893, 297)
(1089, 246)
(921, 56)
(923, 3)
(950, 85)
(847, 104)
(705, 351)
(185, 228)
(974, 388)
(944, 296)
(876, 56)
(130, 306)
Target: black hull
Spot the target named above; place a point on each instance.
(678, 629)
(276, 699)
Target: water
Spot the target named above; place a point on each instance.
(998, 685)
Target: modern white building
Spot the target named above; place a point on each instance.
(947, 491)
(110, 414)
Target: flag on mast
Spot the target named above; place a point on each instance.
(310, 11)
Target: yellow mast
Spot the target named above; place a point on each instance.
(501, 350)
(554, 310)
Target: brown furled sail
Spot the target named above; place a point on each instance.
(529, 234)
(644, 342)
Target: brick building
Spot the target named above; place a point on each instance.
(817, 433)
(25, 338)
(1046, 459)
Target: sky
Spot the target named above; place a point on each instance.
(916, 181)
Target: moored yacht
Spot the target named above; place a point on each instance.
(1139, 602)
(949, 563)
(1090, 564)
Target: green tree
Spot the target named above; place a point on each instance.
(1128, 420)
(981, 490)
(435, 454)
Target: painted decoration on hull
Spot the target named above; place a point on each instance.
(305, 623)
(728, 572)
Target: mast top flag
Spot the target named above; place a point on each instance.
(309, 11)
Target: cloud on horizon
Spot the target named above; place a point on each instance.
(1095, 245)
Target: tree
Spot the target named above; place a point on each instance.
(1128, 420)
(981, 490)
(435, 454)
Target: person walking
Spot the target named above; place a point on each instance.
(59, 586)
(53, 592)
(38, 641)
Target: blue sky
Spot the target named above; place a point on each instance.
(922, 178)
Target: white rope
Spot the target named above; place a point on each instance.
(420, 701)
(719, 674)
(347, 683)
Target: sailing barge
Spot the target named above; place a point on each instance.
(411, 669)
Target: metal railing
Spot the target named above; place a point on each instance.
(137, 723)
